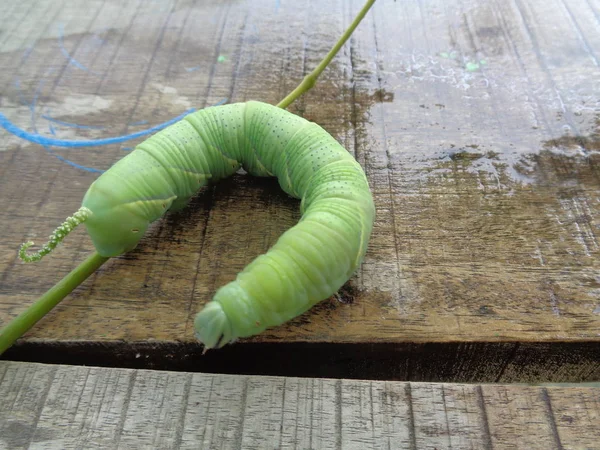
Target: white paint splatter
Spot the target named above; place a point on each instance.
(172, 96)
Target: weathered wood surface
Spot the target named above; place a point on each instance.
(476, 121)
(69, 407)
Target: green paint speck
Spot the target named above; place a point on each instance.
(222, 58)
(472, 66)
(450, 55)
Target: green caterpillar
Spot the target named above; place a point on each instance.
(309, 262)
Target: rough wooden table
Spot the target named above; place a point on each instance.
(476, 121)
(70, 407)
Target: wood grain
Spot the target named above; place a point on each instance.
(68, 407)
(478, 130)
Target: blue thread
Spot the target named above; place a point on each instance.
(127, 149)
(140, 122)
(34, 127)
(20, 93)
(43, 140)
(34, 101)
(98, 39)
(51, 128)
(277, 3)
(26, 53)
(71, 163)
(192, 69)
(65, 52)
(72, 125)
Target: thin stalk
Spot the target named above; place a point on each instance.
(28, 318)
(310, 79)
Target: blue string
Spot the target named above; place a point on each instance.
(65, 52)
(73, 125)
(46, 142)
(139, 122)
(43, 140)
(71, 163)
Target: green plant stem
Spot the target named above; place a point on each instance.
(28, 318)
(310, 79)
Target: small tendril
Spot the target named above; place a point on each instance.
(55, 238)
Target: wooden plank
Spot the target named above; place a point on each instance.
(562, 402)
(477, 130)
(376, 414)
(24, 394)
(91, 407)
(206, 422)
(523, 405)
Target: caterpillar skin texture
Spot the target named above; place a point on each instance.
(308, 263)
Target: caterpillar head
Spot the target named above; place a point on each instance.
(115, 226)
